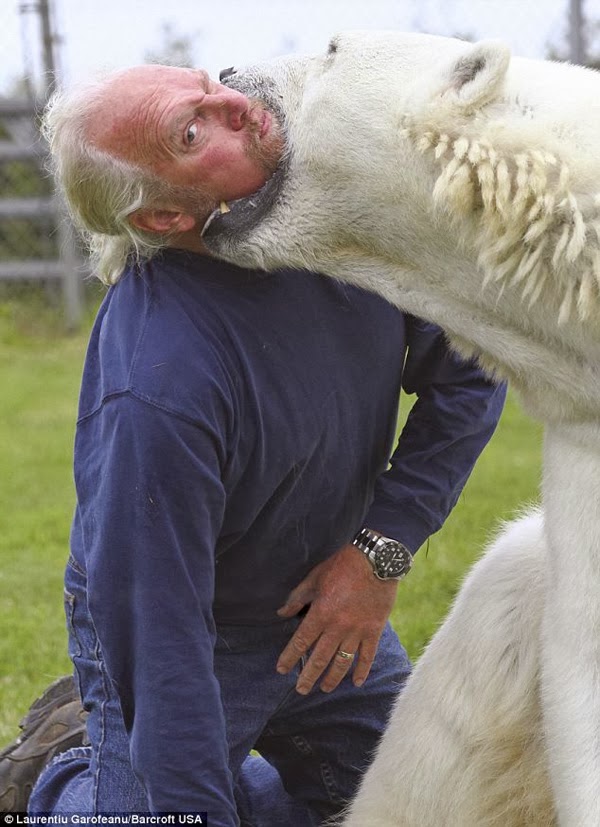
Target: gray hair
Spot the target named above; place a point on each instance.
(102, 190)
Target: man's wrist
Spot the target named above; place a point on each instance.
(389, 559)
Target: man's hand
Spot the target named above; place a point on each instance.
(349, 608)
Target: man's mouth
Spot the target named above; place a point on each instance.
(260, 120)
(267, 121)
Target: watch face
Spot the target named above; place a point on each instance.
(391, 561)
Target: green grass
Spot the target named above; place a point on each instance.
(39, 375)
(505, 479)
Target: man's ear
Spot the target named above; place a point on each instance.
(476, 77)
(162, 222)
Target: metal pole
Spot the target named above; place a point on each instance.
(48, 60)
(576, 36)
(69, 256)
(72, 267)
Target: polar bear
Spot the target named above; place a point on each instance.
(463, 185)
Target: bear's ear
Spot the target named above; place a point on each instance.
(476, 77)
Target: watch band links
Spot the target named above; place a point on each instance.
(389, 558)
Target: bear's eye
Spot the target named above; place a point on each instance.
(333, 46)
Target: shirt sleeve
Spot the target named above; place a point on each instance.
(151, 505)
(456, 413)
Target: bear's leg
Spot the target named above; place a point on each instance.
(571, 625)
(464, 744)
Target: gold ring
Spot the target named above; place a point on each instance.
(344, 655)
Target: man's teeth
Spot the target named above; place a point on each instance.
(224, 207)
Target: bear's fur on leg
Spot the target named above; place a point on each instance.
(464, 747)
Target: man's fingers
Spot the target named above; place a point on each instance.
(348, 610)
(291, 607)
(327, 655)
(317, 663)
(299, 644)
(364, 661)
(297, 599)
(338, 661)
(341, 663)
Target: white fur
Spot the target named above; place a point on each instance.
(464, 746)
(463, 186)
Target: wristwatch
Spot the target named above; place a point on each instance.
(389, 558)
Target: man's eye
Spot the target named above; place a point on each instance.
(191, 133)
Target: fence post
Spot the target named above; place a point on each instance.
(71, 279)
(23, 145)
(37, 240)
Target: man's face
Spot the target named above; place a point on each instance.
(189, 130)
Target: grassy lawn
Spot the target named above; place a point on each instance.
(504, 481)
(39, 376)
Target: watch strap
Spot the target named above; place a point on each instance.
(389, 558)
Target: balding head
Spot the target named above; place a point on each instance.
(122, 113)
(181, 126)
(145, 154)
(102, 187)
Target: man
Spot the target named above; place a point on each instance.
(234, 496)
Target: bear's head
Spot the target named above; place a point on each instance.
(346, 115)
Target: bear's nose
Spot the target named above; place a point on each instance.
(226, 73)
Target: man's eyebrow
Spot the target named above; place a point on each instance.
(182, 120)
(205, 77)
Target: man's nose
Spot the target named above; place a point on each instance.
(228, 104)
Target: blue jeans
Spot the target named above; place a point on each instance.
(313, 749)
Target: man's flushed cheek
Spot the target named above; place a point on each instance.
(233, 167)
(228, 158)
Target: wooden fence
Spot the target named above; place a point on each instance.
(36, 237)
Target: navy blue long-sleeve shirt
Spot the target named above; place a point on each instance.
(234, 430)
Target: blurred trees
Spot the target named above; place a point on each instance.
(580, 39)
(174, 49)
